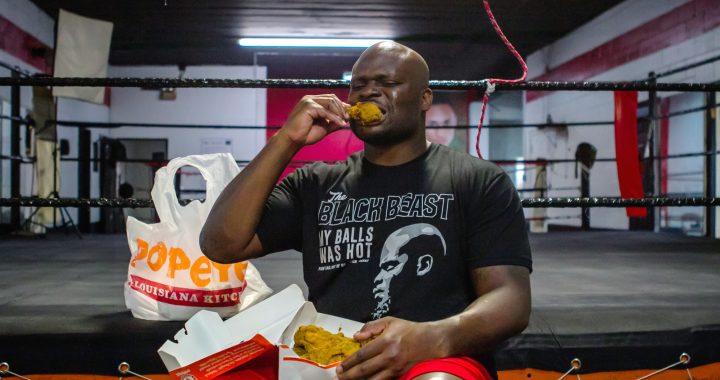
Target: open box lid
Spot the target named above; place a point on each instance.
(206, 333)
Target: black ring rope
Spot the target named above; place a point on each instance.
(16, 69)
(293, 82)
(687, 67)
(23, 160)
(158, 83)
(537, 161)
(608, 202)
(604, 159)
(15, 118)
(547, 189)
(111, 125)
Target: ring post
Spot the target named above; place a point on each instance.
(710, 161)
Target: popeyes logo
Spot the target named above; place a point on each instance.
(174, 262)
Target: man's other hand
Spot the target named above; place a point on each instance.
(397, 346)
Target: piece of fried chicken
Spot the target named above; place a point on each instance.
(365, 112)
(319, 345)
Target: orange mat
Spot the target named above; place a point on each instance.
(705, 372)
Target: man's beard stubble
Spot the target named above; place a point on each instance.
(387, 136)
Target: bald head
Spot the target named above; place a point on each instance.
(395, 78)
(409, 61)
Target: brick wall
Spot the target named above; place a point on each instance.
(625, 43)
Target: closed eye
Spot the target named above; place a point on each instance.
(389, 265)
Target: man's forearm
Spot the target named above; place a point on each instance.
(235, 215)
(495, 316)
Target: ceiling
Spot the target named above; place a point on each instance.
(454, 36)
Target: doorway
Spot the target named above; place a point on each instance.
(140, 176)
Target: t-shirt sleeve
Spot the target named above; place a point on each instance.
(496, 226)
(280, 228)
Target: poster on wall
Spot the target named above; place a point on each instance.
(449, 109)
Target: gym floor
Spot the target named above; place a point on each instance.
(589, 290)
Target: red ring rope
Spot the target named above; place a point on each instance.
(493, 81)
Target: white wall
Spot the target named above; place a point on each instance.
(72, 109)
(202, 106)
(193, 106)
(28, 17)
(685, 175)
(598, 106)
(614, 22)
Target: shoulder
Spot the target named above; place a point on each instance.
(467, 167)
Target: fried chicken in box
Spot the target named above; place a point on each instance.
(319, 345)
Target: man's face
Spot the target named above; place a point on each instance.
(440, 115)
(386, 79)
(396, 252)
(392, 262)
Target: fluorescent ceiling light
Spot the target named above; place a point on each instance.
(309, 42)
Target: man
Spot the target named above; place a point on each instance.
(401, 188)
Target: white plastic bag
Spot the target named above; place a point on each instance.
(169, 278)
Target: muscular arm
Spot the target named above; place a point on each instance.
(229, 232)
(501, 310)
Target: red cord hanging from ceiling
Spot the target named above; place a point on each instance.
(492, 81)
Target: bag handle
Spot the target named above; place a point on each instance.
(216, 169)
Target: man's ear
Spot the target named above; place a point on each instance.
(427, 99)
(424, 264)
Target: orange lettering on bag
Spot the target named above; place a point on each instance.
(240, 270)
(201, 270)
(160, 251)
(141, 253)
(200, 267)
(223, 269)
(178, 261)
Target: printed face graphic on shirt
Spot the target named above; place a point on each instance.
(394, 258)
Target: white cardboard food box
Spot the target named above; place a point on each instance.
(210, 348)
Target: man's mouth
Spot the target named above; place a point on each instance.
(382, 118)
(374, 123)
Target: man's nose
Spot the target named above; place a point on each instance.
(379, 279)
(369, 91)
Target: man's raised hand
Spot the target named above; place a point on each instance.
(314, 117)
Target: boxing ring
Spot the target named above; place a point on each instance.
(624, 303)
(606, 304)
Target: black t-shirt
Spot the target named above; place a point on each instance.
(396, 240)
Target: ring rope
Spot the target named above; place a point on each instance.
(110, 125)
(89, 124)
(537, 161)
(492, 82)
(158, 83)
(687, 67)
(560, 202)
